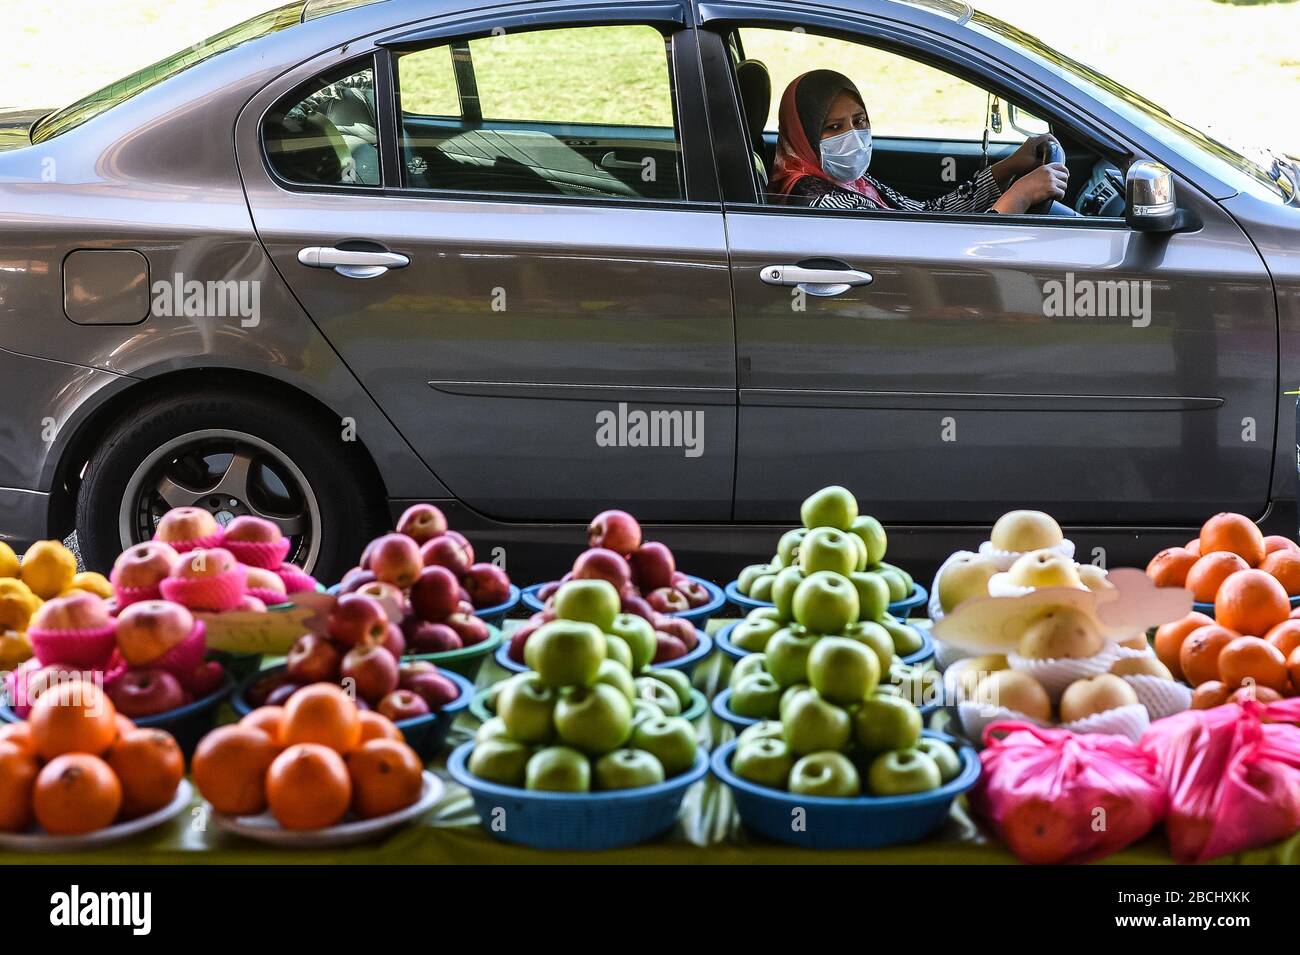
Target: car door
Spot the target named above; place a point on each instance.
(525, 261)
(942, 369)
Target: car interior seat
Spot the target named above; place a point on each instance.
(755, 84)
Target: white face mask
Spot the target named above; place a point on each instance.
(845, 157)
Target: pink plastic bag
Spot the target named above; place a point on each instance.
(1232, 774)
(1056, 796)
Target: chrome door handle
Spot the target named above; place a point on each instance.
(611, 161)
(815, 281)
(352, 263)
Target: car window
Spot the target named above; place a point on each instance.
(325, 133)
(579, 112)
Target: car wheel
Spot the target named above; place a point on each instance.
(229, 455)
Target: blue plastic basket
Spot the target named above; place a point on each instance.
(478, 707)
(1208, 609)
(927, 649)
(697, 615)
(575, 821)
(424, 734)
(188, 723)
(899, 608)
(861, 822)
(495, 614)
(686, 664)
(466, 661)
(722, 710)
(745, 603)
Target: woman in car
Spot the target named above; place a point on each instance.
(824, 149)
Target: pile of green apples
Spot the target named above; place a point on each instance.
(840, 729)
(578, 721)
(834, 537)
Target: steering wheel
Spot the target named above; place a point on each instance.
(1049, 152)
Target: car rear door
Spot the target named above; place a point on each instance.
(542, 304)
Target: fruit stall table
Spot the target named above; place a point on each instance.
(707, 832)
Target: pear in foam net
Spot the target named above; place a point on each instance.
(1020, 531)
(1044, 568)
(1061, 633)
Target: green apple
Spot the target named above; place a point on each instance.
(527, 708)
(762, 589)
(964, 577)
(501, 761)
(907, 640)
(764, 729)
(828, 549)
(783, 589)
(754, 663)
(617, 651)
(825, 774)
(616, 675)
(907, 578)
(917, 683)
(843, 671)
(885, 722)
(861, 562)
(746, 578)
(787, 549)
(832, 506)
(678, 682)
(558, 769)
(898, 588)
(764, 613)
(766, 762)
(757, 696)
(873, 594)
(495, 728)
(753, 635)
(902, 772)
(812, 724)
(639, 635)
(628, 769)
(875, 636)
(869, 531)
(494, 691)
(644, 710)
(589, 601)
(659, 693)
(596, 719)
(944, 756)
(787, 656)
(825, 602)
(671, 739)
(566, 652)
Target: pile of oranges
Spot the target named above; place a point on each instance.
(76, 765)
(1228, 543)
(310, 762)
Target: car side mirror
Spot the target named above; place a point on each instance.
(1152, 206)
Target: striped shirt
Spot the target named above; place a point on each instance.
(975, 195)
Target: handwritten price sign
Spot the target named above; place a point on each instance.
(271, 633)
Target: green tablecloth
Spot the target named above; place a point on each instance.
(708, 831)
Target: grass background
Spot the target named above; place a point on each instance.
(1232, 68)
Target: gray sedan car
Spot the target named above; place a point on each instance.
(523, 259)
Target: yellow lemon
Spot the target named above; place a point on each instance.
(17, 604)
(48, 569)
(8, 561)
(15, 649)
(92, 583)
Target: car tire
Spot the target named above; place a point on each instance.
(288, 445)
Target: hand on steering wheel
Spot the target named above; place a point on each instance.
(1035, 192)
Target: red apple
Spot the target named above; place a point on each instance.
(77, 611)
(182, 524)
(667, 647)
(252, 529)
(358, 619)
(395, 642)
(395, 559)
(148, 629)
(668, 600)
(250, 603)
(616, 530)
(447, 551)
(146, 692)
(426, 637)
(547, 590)
(435, 689)
(678, 627)
(259, 692)
(142, 567)
(520, 637)
(354, 580)
(372, 670)
(207, 677)
(695, 592)
(601, 563)
(408, 671)
(435, 594)
(389, 595)
(634, 603)
(469, 628)
(487, 585)
(403, 705)
(204, 563)
(280, 695)
(258, 579)
(422, 522)
(653, 566)
(465, 606)
(313, 659)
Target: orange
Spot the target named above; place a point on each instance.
(1253, 691)
(1170, 636)
(1285, 636)
(1169, 567)
(1209, 695)
(18, 771)
(1199, 656)
(308, 787)
(1285, 566)
(1251, 602)
(268, 719)
(1234, 533)
(124, 725)
(20, 734)
(1253, 660)
(230, 767)
(76, 793)
(386, 776)
(322, 713)
(1193, 546)
(377, 726)
(1293, 666)
(73, 717)
(149, 765)
(1209, 572)
(1276, 542)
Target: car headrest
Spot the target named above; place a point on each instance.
(756, 98)
(352, 114)
(309, 148)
